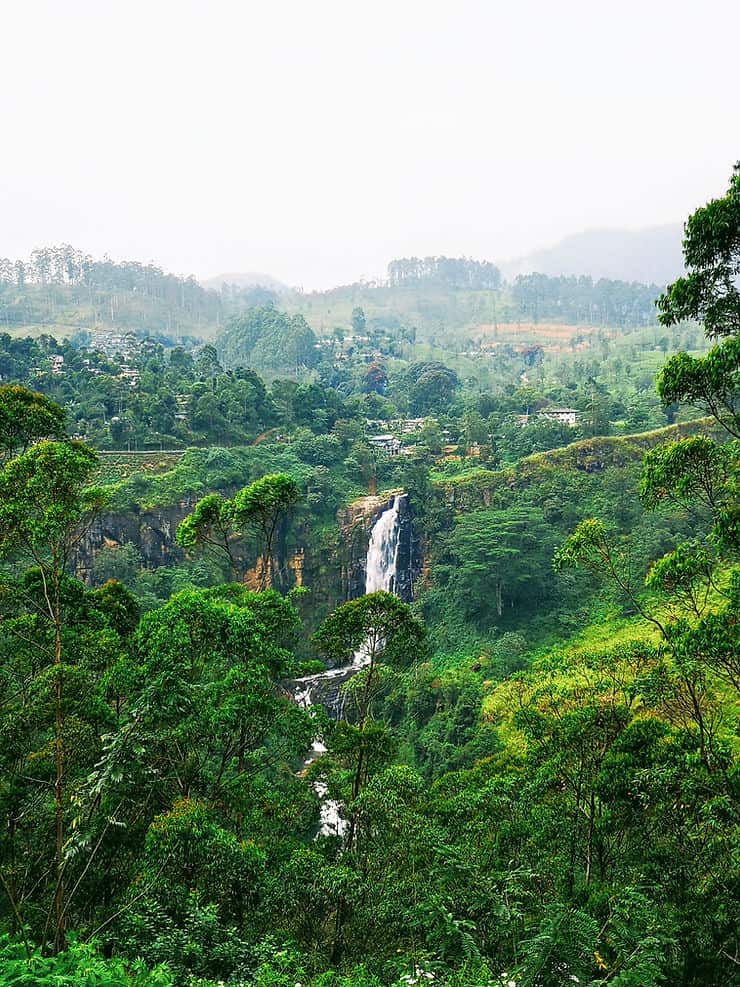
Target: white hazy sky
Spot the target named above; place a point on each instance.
(317, 139)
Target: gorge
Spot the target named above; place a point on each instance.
(325, 688)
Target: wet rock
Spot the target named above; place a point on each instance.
(356, 523)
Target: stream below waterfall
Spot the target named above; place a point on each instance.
(380, 574)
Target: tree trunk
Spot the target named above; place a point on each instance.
(59, 936)
(590, 838)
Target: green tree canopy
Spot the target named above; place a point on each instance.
(709, 293)
(26, 417)
(219, 524)
(379, 623)
(496, 558)
(271, 341)
(45, 506)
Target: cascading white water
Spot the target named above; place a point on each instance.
(380, 574)
(382, 552)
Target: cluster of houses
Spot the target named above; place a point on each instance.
(130, 374)
(391, 442)
(115, 342)
(392, 446)
(388, 441)
(112, 343)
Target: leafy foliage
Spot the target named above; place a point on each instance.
(218, 523)
(26, 417)
(270, 341)
(709, 293)
(80, 966)
(538, 784)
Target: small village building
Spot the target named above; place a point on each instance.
(388, 444)
(131, 374)
(411, 425)
(566, 416)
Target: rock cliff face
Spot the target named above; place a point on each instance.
(333, 569)
(410, 555)
(355, 524)
(152, 531)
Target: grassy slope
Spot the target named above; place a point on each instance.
(587, 455)
(434, 311)
(603, 624)
(604, 656)
(62, 310)
(117, 466)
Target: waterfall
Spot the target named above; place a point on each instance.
(380, 574)
(382, 552)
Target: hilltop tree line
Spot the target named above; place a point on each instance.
(583, 301)
(451, 272)
(67, 286)
(536, 297)
(61, 284)
(64, 265)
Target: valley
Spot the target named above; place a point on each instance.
(368, 637)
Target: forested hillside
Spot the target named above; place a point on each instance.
(62, 291)
(266, 369)
(346, 651)
(65, 291)
(459, 296)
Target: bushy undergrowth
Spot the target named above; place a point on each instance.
(80, 966)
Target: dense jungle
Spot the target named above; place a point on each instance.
(385, 635)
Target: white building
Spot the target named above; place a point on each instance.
(566, 416)
(411, 425)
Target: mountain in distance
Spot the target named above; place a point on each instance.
(651, 256)
(245, 279)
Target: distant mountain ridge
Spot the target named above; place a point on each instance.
(245, 279)
(651, 255)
